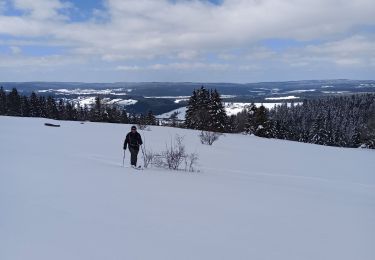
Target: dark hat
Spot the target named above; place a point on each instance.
(134, 127)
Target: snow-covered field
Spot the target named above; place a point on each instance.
(232, 108)
(64, 195)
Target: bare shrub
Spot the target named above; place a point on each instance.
(143, 126)
(174, 153)
(190, 162)
(208, 137)
(174, 157)
(148, 158)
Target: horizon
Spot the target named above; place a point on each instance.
(182, 82)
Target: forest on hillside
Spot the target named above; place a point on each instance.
(343, 121)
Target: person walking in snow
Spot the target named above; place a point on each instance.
(134, 141)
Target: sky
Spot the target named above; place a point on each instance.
(186, 40)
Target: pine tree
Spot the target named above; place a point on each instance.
(71, 111)
(251, 124)
(34, 105)
(51, 108)
(3, 102)
(61, 110)
(25, 106)
(124, 117)
(197, 114)
(43, 106)
(150, 118)
(191, 110)
(14, 103)
(97, 112)
(263, 126)
(218, 116)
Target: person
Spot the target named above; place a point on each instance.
(133, 140)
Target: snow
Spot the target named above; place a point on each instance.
(88, 101)
(366, 85)
(127, 102)
(169, 97)
(301, 90)
(181, 113)
(232, 108)
(335, 92)
(78, 91)
(64, 195)
(180, 100)
(282, 98)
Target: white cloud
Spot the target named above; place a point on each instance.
(3, 6)
(352, 51)
(128, 68)
(19, 61)
(139, 27)
(15, 49)
(180, 35)
(190, 66)
(42, 9)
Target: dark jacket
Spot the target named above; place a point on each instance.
(134, 140)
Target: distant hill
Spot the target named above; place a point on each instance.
(162, 97)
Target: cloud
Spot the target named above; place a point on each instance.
(196, 34)
(3, 6)
(159, 27)
(357, 50)
(128, 68)
(15, 49)
(42, 9)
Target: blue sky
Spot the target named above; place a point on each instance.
(182, 40)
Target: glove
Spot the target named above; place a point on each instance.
(124, 147)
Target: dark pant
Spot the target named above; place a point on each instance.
(133, 155)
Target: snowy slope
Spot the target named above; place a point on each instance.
(64, 195)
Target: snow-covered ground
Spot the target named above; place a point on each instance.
(232, 108)
(64, 195)
(90, 101)
(282, 98)
(181, 113)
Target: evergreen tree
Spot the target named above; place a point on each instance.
(3, 102)
(218, 116)
(71, 111)
(198, 115)
(251, 124)
(124, 117)
(14, 103)
(34, 105)
(150, 118)
(97, 112)
(61, 110)
(43, 106)
(262, 125)
(25, 107)
(51, 108)
(191, 111)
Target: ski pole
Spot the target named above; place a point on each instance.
(123, 160)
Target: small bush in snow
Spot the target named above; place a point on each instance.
(190, 162)
(174, 157)
(148, 158)
(208, 137)
(174, 154)
(142, 126)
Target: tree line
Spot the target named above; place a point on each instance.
(14, 104)
(205, 111)
(344, 121)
